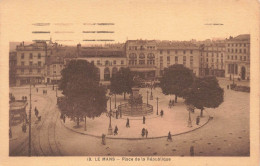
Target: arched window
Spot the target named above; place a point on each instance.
(106, 74)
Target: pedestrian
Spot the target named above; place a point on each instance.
(25, 98)
(10, 133)
(64, 118)
(197, 120)
(103, 139)
(116, 131)
(43, 92)
(161, 113)
(24, 128)
(37, 90)
(143, 119)
(172, 102)
(227, 86)
(169, 137)
(116, 114)
(143, 132)
(146, 133)
(36, 111)
(191, 151)
(127, 122)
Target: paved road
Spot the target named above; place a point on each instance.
(226, 135)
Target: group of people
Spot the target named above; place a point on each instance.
(171, 103)
(144, 132)
(24, 98)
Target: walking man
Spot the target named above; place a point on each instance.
(127, 122)
(103, 139)
(169, 136)
(161, 113)
(36, 112)
(116, 131)
(197, 120)
(143, 132)
(143, 120)
(146, 133)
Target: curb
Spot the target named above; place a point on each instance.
(209, 118)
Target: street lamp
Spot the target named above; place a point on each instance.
(115, 100)
(157, 105)
(147, 96)
(151, 96)
(110, 126)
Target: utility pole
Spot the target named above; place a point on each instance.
(30, 123)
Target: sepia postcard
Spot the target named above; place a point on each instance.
(129, 82)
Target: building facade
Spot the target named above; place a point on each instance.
(43, 62)
(31, 62)
(238, 57)
(212, 59)
(187, 54)
(141, 57)
(12, 67)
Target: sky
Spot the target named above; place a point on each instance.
(132, 19)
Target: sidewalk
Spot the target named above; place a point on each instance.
(174, 120)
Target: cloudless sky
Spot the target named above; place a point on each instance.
(133, 19)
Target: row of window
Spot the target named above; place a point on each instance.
(141, 56)
(212, 60)
(235, 57)
(141, 47)
(212, 54)
(30, 71)
(31, 63)
(108, 62)
(31, 56)
(237, 44)
(141, 62)
(236, 50)
(176, 51)
(212, 66)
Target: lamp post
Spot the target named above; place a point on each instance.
(110, 126)
(151, 96)
(157, 105)
(115, 100)
(147, 96)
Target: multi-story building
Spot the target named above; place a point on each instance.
(185, 53)
(238, 57)
(142, 57)
(212, 59)
(12, 67)
(108, 60)
(30, 62)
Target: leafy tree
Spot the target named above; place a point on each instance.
(175, 79)
(122, 82)
(84, 97)
(205, 92)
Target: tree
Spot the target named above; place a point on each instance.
(84, 97)
(175, 79)
(122, 82)
(205, 92)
